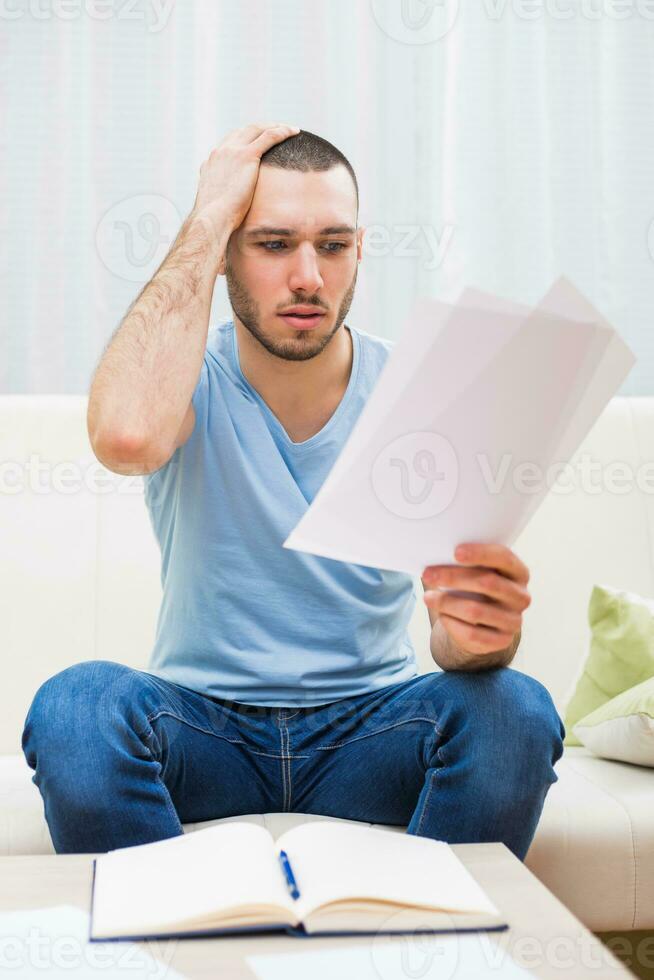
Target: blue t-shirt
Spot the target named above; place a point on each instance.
(243, 618)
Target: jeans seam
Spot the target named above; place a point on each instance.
(426, 802)
(286, 765)
(184, 721)
(232, 741)
(167, 797)
(432, 779)
(378, 731)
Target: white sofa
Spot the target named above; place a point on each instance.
(80, 581)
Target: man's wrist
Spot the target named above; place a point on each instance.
(449, 656)
(203, 238)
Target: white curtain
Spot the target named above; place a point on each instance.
(497, 144)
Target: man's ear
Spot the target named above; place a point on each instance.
(221, 267)
(360, 234)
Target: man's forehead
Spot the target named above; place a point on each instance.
(304, 202)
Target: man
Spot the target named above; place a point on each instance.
(279, 680)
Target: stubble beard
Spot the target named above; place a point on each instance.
(302, 348)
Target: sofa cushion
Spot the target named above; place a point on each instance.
(621, 651)
(594, 845)
(597, 808)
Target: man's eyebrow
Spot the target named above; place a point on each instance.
(289, 232)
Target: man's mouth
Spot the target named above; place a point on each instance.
(303, 321)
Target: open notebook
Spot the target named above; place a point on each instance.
(230, 878)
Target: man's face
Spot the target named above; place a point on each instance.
(268, 272)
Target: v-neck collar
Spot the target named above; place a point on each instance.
(317, 437)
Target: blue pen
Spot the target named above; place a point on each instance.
(288, 874)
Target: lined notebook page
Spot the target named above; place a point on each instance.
(156, 886)
(333, 862)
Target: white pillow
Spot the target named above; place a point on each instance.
(623, 728)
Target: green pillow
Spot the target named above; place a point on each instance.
(621, 652)
(623, 728)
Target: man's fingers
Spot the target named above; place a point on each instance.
(475, 611)
(480, 580)
(275, 134)
(496, 556)
(248, 134)
(245, 134)
(475, 639)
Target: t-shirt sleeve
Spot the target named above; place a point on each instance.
(199, 398)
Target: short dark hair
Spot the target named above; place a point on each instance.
(305, 151)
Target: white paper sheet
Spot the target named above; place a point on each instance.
(475, 403)
(440, 957)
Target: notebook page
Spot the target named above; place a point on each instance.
(158, 886)
(332, 862)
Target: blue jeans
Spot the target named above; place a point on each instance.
(123, 757)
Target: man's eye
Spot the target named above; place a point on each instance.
(337, 246)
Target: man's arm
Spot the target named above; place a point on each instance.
(140, 397)
(143, 385)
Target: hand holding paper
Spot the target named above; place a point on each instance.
(480, 601)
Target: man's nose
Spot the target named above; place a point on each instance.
(305, 274)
